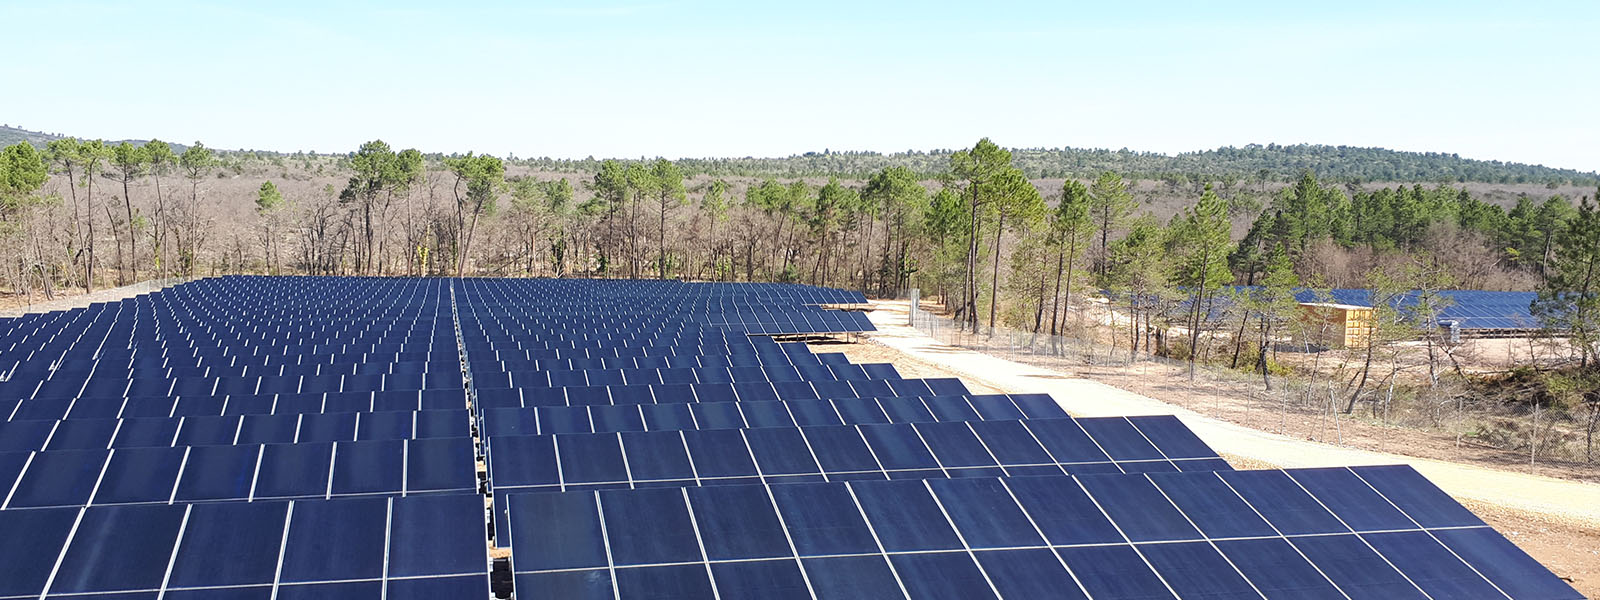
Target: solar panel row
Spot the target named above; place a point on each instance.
(79, 434)
(422, 547)
(784, 413)
(622, 363)
(883, 451)
(233, 405)
(708, 393)
(240, 472)
(647, 350)
(168, 386)
(773, 373)
(1328, 533)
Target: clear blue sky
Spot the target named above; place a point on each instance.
(1511, 81)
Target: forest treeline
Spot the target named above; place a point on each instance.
(979, 235)
(1248, 164)
(85, 213)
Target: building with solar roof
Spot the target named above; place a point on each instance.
(1335, 325)
(1474, 313)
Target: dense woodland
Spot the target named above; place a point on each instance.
(995, 245)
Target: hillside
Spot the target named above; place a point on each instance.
(1250, 164)
(10, 135)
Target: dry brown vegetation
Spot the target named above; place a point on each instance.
(315, 233)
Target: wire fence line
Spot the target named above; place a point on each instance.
(1296, 405)
(1307, 402)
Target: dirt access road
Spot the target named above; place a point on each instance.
(68, 299)
(1555, 520)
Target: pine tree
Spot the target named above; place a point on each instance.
(1110, 203)
(973, 173)
(1139, 270)
(668, 190)
(1018, 207)
(1569, 303)
(129, 161)
(1069, 231)
(943, 225)
(898, 195)
(1274, 303)
(1200, 242)
(268, 201)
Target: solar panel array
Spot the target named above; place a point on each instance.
(1473, 309)
(248, 437)
(241, 438)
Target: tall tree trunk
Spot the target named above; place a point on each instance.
(1238, 340)
(661, 243)
(1038, 311)
(994, 284)
(1261, 358)
(133, 253)
(76, 237)
(161, 232)
(1066, 296)
(1105, 240)
(888, 245)
(1194, 327)
(1055, 295)
(963, 308)
(866, 251)
(1366, 367)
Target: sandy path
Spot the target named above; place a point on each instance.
(69, 299)
(1573, 502)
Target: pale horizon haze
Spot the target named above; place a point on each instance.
(1496, 81)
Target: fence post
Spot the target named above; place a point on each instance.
(911, 318)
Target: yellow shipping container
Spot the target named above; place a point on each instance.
(1337, 325)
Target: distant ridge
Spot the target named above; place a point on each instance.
(10, 135)
(1242, 164)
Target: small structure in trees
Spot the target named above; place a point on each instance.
(1335, 325)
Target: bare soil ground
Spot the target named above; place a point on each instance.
(908, 366)
(1570, 547)
(66, 299)
(1571, 552)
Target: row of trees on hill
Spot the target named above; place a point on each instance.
(1233, 166)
